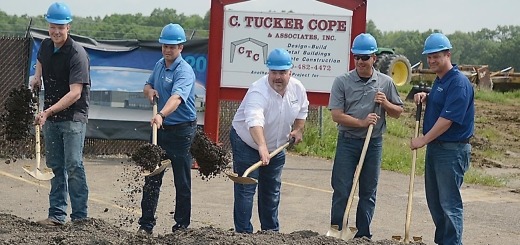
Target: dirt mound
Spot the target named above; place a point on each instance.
(15, 230)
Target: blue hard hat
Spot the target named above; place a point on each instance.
(58, 13)
(172, 34)
(364, 43)
(279, 59)
(436, 42)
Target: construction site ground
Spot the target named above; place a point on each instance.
(491, 214)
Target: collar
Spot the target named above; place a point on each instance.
(357, 78)
(174, 64)
(449, 74)
(66, 46)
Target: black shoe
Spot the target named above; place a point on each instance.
(143, 231)
(177, 227)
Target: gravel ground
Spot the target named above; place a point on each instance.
(15, 230)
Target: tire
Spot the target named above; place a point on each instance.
(396, 66)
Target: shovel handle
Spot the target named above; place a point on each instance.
(357, 173)
(37, 150)
(37, 127)
(418, 112)
(259, 163)
(154, 125)
(412, 177)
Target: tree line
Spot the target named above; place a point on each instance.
(496, 48)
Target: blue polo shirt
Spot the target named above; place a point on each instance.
(451, 98)
(179, 79)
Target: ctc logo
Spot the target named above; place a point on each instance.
(249, 53)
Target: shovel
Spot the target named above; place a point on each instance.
(35, 171)
(248, 180)
(334, 229)
(164, 163)
(410, 186)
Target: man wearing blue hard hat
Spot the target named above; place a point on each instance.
(272, 112)
(359, 99)
(172, 82)
(449, 120)
(64, 66)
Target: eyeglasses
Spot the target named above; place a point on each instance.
(362, 57)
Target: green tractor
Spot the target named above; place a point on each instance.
(394, 65)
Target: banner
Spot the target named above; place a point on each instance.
(118, 71)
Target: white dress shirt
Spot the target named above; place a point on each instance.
(263, 106)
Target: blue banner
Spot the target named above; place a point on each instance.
(119, 70)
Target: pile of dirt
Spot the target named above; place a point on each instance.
(15, 230)
(210, 157)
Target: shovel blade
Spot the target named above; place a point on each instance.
(333, 231)
(349, 233)
(241, 179)
(44, 174)
(164, 164)
(345, 235)
(397, 238)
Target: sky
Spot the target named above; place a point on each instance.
(389, 15)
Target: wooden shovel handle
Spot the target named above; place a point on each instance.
(259, 163)
(154, 125)
(357, 173)
(412, 178)
(37, 128)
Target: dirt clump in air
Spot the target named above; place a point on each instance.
(211, 157)
(16, 124)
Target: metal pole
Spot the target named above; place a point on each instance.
(320, 112)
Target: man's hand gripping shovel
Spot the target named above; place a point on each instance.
(164, 163)
(36, 171)
(334, 229)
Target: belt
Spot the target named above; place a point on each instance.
(180, 125)
(464, 141)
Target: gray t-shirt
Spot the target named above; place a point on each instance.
(356, 98)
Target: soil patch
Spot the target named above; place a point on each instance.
(496, 144)
(15, 230)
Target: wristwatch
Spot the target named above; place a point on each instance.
(160, 114)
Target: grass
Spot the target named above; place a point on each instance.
(321, 141)
(474, 176)
(498, 97)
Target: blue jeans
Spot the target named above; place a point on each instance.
(64, 143)
(177, 143)
(348, 153)
(269, 184)
(446, 164)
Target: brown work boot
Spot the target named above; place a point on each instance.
(50, 222)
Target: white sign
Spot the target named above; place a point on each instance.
(319, 46)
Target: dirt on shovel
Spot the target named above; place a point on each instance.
(148, 156)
